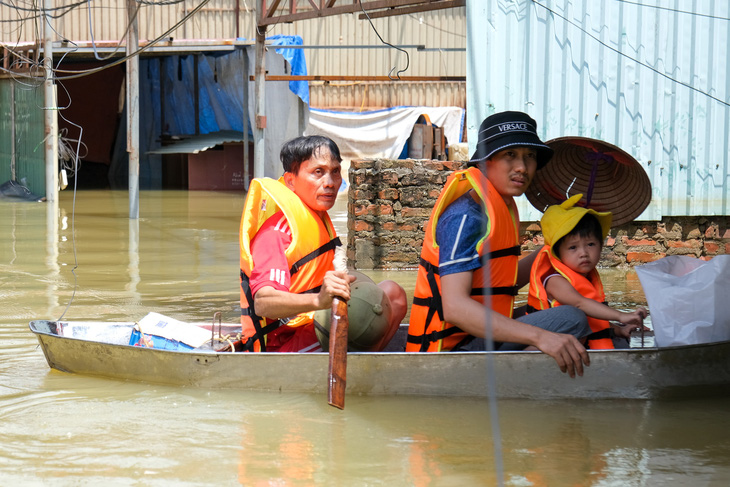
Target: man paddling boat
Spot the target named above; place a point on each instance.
(287, 249)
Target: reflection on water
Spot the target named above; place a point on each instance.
(181, 259)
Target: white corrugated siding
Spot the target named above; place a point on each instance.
(371, 95)
(664, 98)
(442, 29)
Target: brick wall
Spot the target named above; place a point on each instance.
(389, 203)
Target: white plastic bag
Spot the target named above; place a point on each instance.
(689, 299)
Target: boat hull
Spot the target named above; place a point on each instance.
(647, 373)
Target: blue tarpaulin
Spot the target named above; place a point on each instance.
(221, 82)
(220, 92)
(167, 99)
(295, 57)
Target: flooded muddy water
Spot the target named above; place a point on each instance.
(181, 259)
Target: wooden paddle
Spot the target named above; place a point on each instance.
(337, 375)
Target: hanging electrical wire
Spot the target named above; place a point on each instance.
(40, 11)
(119, 44)
(72, 74)
(640, 63)
(75, 168)
(408, 58)
(159, 3)
(674, 10)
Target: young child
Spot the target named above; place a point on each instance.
(564, 272)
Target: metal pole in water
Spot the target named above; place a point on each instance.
(132, 65)
(260, 94)
(49, 103)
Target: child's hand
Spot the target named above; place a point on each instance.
(634, 319)
(622, 331)
(631, 322)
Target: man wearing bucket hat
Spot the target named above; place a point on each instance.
(469, 271)
(564, 272)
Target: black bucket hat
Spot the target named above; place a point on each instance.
(509, 129)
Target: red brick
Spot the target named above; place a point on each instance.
(416, 212)
(389, 177)
(385, 210)
(687, 244)
(388, 194)
(453, 165)
(727, 248)
(362, 163)
(712, 231)
(360, 194)
(642, 257)
(648, 228)
(712, 247)
(726, 235)
(433, 165)
(637, 243)
(361, 210)
(388, 226)
(362, 226)
(610, 242)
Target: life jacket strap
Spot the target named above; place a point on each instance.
(331, 245)
(506, 252)
(600, 335)
(493, 291)
(261, 331)
(255, 319)
(433, 303)
(427, 338)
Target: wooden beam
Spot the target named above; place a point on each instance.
(415, 9)
(328, 8)
(273, 77)
(268, 12)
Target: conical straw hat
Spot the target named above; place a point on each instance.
(610, 179)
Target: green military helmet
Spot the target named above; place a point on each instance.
(369, 314)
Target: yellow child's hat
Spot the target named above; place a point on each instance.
(560, 220)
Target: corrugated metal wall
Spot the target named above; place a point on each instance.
(442, 33)
(372, 95)
(6, 130)
(28, 122)
(653, 80)
(442, 29)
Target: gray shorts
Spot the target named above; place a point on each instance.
(562, 319)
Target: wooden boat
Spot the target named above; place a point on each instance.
(102, 349)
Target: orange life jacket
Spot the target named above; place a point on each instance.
(545, 264)
(427, 330)
(309, 256)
